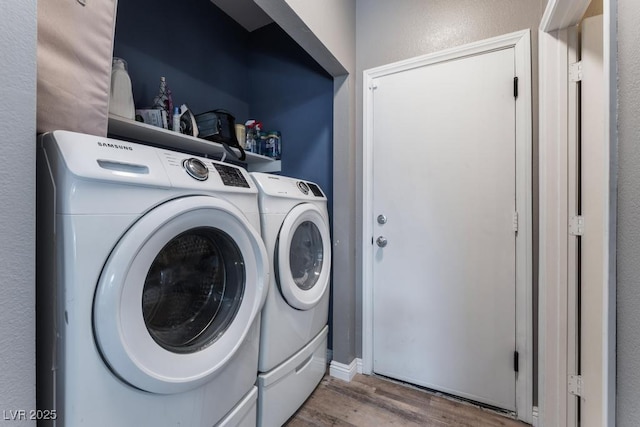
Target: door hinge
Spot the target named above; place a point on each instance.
(515, 87)
(516, 361)
(575, 72)
(515, 222)
(576, 225)
(575, 385)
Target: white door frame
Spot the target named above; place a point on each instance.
(520, 41)
(557, 128)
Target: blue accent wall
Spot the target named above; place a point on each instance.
(200, 50)
(291, 93)
(210, 62)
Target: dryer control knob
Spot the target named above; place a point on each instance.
(196, 169)
(302, 186)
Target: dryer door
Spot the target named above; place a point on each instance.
(303, 256)
(179, 293)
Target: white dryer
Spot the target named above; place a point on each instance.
(293, 338)
(151, 277)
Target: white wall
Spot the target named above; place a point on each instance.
(17, 206)
(628, 235)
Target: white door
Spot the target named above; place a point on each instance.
(444, 225)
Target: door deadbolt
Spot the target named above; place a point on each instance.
(382, 219)
(381, 241)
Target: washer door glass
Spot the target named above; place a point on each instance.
(193, 290)
(303, 256)
(306, 255)
(179, 294)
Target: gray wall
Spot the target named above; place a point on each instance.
(628, 235)
(17, 206)
(392, 31)
(332, 22)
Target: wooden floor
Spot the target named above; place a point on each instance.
(371, 401)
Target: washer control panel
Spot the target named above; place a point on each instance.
(302, 186)
(315, 190)
(231, 176)
(282, 186)
(188, 171)
(138, 164)
(196, 169)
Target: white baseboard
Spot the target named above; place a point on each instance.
(534, 421)
(345, 372)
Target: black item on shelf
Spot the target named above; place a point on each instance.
(219, 126)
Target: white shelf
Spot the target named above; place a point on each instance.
(126, 128)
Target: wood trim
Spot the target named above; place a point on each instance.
(610, 54)
(345, 372)
(367, 224)
(560, 14)
(572, 257)
(595, 201)
(555, 339)
(524, 241)
(495, 43)
(553, 277)
(521, 43)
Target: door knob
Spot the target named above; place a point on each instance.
(382, 219)
(381, 241)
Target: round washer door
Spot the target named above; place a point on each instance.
(179, 293)
(303, 256)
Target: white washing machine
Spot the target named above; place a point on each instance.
(151, 277)
(293, 338)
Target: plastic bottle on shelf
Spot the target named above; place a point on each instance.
(176, 120)
(274, 146)
(264, 144)
(164, 102)
(241, 135)
(268, 145)
(260, 140)
(250, 144)
(121, 93)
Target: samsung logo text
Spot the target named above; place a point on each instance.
(116, 146)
